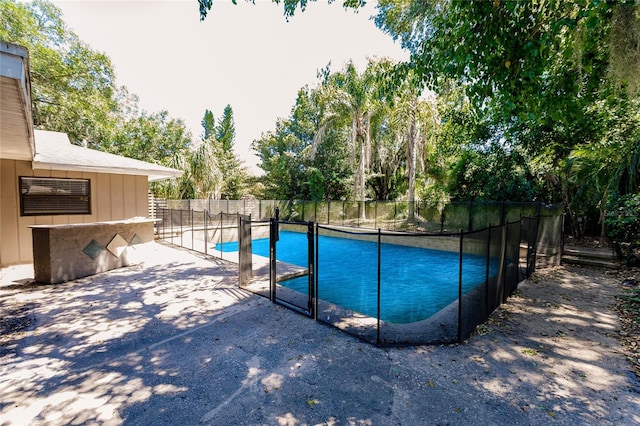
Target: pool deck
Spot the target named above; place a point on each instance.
(175, 341)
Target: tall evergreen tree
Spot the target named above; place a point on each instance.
(208, 124)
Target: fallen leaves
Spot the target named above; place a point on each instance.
(628, 308)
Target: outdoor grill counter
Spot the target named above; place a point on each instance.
(66, 252)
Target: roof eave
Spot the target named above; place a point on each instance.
(23, 80)
(152, 175)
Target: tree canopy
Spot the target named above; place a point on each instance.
(536, 100)
(73, 86)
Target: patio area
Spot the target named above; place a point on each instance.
(175, 341)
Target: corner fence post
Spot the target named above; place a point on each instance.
(206, 232)
(273, 223)
(311, 261)
(221, 232)
(460, 290)
(379, 279)
(315, 276)
(505, 237)
(517, 256)
(486, 287)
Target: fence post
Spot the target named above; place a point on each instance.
(517, 255)
(272, 257)
(311, 260)
(375, 214)
(379, 279)
(192, 239)
(505, 237)
(221, 231)
(315, 275)
(206, 232)
(486, 292)
(460, 289)
(181, 231)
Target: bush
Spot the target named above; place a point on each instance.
(623, 226)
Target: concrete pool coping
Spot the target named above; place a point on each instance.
(175, 341)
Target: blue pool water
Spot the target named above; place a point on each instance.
(415, 282)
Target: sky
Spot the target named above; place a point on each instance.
(245, 55)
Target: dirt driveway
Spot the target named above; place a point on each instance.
(176, 342)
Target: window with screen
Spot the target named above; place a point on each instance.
(52, 196)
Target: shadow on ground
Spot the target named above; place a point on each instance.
(176, 341)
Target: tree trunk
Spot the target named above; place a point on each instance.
(412, 147)
(360, 177)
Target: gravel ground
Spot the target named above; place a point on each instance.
(174, 341)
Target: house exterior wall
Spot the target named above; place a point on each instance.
(113, 197)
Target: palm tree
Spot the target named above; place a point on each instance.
(204, 170)
(350, 100)
(414, 116)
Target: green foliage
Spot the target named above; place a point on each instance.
(624, 40)
(73, 86)
(316, 184)
(494, 174)
(217, 170)
(154, 137)
(226, 129)
(623, 226)
(291, 172)
(516, 53)
(208, 124)
(289, 6)
(548, 77)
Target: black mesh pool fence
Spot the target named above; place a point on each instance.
(420, 216)
(400, 288)
(388, 287)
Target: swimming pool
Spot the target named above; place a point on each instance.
(416, 283)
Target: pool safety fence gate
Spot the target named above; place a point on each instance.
(301, 298)
(376, 294)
